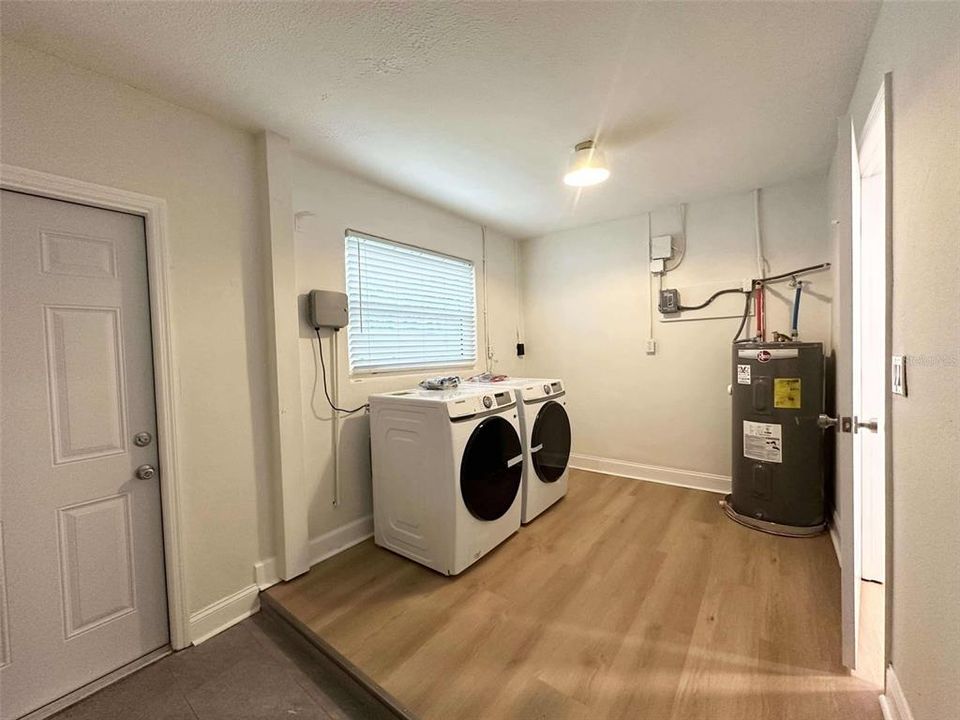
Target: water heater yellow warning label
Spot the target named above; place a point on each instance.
(786, 393)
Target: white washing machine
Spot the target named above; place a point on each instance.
(545, 428)
(447, 471)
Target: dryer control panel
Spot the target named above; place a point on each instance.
(541, 389)
(467, 405)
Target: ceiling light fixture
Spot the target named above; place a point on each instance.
(588, 166)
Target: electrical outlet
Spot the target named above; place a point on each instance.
(651, 346)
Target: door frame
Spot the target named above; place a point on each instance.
(153, 210)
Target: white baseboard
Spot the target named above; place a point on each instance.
(265, 573)
(321, 548)
(224, 613)
(653, 473)
(230, 610)
(340, 539)
(835, 535)
(893, 703)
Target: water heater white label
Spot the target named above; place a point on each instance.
(743, 374)
(762, 441)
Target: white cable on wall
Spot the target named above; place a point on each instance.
(762, 264)
(650, 298)
(518, 289)
(335, 416)
(682, 209)
(487, 350)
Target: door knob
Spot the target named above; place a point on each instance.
(872, 425)
(842, 423)
(146, 472)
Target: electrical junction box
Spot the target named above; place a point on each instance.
(669, 301)
(661, 247)
(328, 309)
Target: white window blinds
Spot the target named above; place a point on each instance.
(409, 308)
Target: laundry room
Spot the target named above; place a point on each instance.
(456, 360)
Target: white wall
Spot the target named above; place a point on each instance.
(340, 201)
(64, 120)
(920, 44)
(586, 305)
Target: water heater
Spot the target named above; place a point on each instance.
(778, 476)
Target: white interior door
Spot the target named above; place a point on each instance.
(82, 588)
(871, 341)
(847, 228)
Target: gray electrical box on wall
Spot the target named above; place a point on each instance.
(328, 309)
(669, 301)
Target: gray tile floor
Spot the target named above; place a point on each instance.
(258, 669)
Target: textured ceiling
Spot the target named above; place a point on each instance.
(475, 106)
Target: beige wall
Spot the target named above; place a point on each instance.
(920, 44)
(61, 119)
(586, 307)
(64, 120)
(340, 201)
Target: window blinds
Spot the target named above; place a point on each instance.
(409, 308)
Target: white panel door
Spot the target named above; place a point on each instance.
(871, 333)
(82, 588)
(847, 228)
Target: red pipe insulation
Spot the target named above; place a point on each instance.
(761, 319)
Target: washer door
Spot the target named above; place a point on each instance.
(550, 442)
(491, 469)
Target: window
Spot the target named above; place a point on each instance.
(409, 308)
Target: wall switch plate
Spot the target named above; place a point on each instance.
(661, 247)
(898, 375)
(651, 346)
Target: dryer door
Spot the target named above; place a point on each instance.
(491, 469)
(550, 442)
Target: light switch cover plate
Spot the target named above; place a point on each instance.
(898, 375)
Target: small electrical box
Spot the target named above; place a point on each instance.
(898, 375)
(669, 301)
(327, 309)
(661, 247)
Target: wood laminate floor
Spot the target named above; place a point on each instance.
(626, 600)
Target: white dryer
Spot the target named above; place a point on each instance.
(545, 428)
(447, 469)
